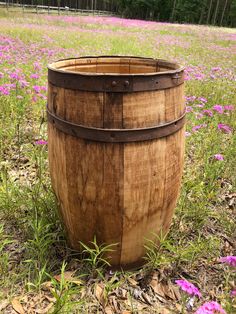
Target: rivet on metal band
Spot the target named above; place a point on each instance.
(116, 135)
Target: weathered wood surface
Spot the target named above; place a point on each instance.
(122, 192)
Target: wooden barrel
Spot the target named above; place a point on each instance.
(116, 149)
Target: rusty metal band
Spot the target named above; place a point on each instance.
(116, 135)
(109, 83)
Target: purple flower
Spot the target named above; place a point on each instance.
(34, 76)
(37, 66)
(188, 287)
(4, 90)
(218, 157)
(190, 98)
(229, 107)
(216, 69)
(230, 260)
(210, 308)
(202, 99)
(199, 76)
(218, 108)
(188, 109)
(224, 128)
(23, 83)
(207, 112)
(233, 293)
(41, 142)
(187, 134)
(198, 115)
(197, 127)
(14, 76)
(37, 89)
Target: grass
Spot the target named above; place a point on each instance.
(37, 269)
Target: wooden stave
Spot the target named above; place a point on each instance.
(126, 254)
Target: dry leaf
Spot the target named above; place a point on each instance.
(17, 306)
(122, 294)
(50, 299)
(179, 307)
(146, 298)
(126, 312)
(113, 301)
(168, 292)
(132, 281)
(3, 305)
(99, 292)
(164, 311)
(157, 287)
(108, 310)
(45, 310)
(175, 290)
(83, 292)
(68, 276)
(47, 285)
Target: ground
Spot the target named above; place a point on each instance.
(38, 272)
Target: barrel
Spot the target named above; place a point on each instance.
(116, 149)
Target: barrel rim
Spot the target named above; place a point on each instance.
(164, 62)
(116, 82)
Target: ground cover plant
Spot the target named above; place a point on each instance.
(193, 268)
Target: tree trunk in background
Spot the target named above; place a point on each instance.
(223, 12)
(209, 12)
(173, 11)
(202, 12)
(216, 11)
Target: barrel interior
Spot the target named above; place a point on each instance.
(114, 65)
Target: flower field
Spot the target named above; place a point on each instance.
(193, 270)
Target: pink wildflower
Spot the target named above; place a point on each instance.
(233, 293)
(202, 99)
(34, 99)
(207, 112)
(199, 76)
(190, 99)
(14, 76)
(34, 76)
(37, 66)
(41, 142)
(216, 69)
(23, 83)
(188, 287)
(1, 75)
(210, 308)
(4, 90)
(229, 107)
(218, 108)
(188, 109)
(198, 115)
(197, 127)
(224, 128)
(218, 157)
(37, 89)
(230, 260)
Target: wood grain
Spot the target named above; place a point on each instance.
(122, 193)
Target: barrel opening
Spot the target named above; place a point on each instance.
(115, 65)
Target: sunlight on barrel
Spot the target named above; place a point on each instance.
(116, 149)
